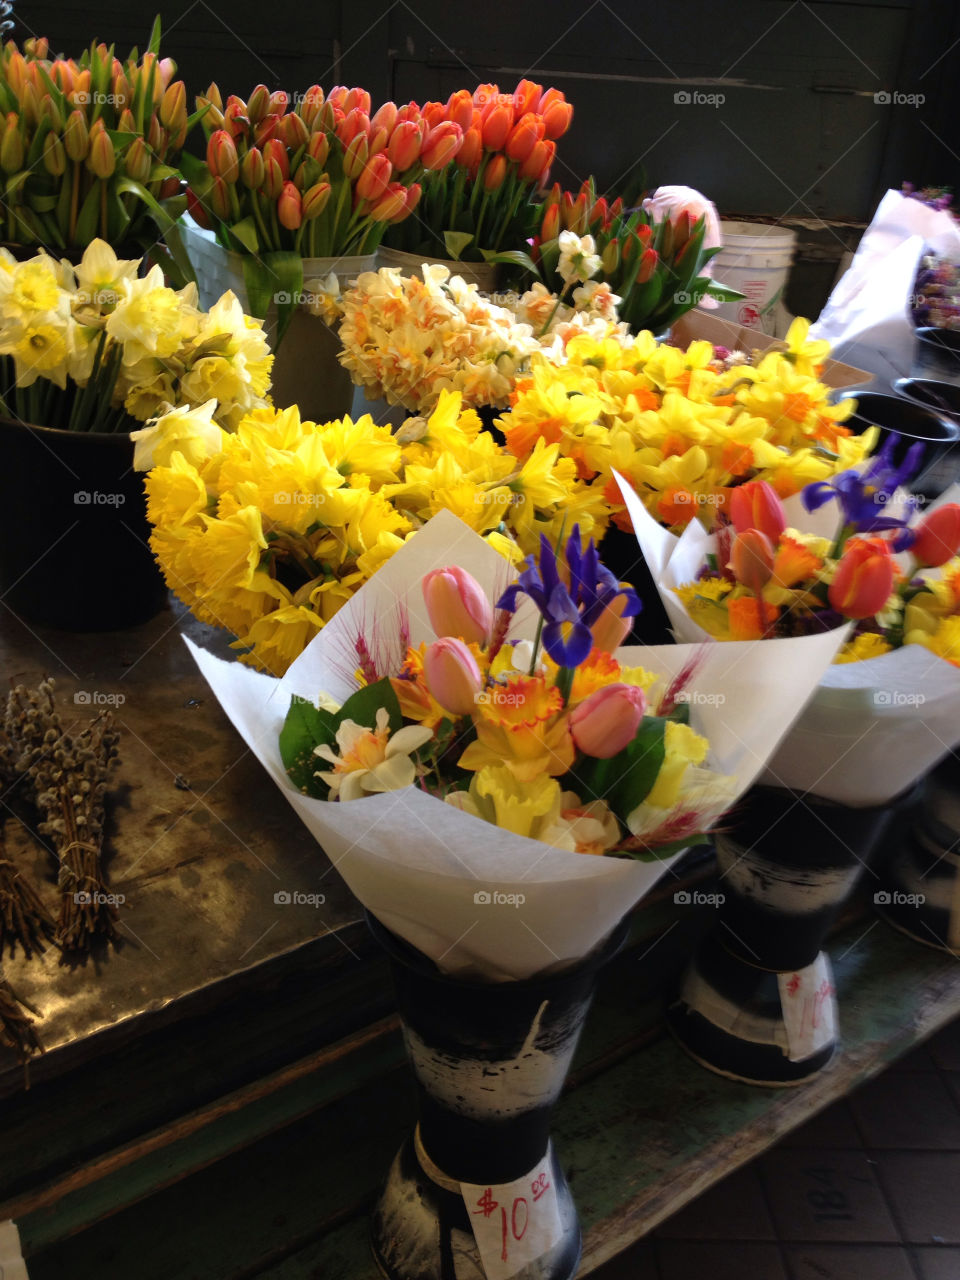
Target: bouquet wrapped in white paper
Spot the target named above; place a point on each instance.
(480, 899)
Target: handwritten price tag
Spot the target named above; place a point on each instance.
(809, 1009)
(516, 1222)
(12, 1265)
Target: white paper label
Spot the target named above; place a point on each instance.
(516, 1222)
(12, 1265)
(809, 1009)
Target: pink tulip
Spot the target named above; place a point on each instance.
(756, 505)
(452, 676)
(457, 605)
(606, 722)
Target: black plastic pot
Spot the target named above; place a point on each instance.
(74, 536)
(490, 1060)
(937, 354)
(787, 864)
(621, 553)
(912, 422)
(942, 397)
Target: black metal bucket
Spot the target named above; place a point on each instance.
(911, 421)
(937, 354)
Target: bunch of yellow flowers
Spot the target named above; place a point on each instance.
(267, 531)
(92, 346)
(685, 427)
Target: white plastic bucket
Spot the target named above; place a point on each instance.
(755, 259)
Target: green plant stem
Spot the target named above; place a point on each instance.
(556, 308)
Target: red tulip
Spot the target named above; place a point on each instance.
(550, 228)
(648, 265)
(606, 722)
(756, 505)
(290, 207)
(938, 536)
(863, 579)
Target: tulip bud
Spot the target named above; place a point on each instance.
(54, 156)
(351, 126)
(80, 96)
(275, 150)
(938, 536)
(220, 199)
(222, 156)
(403, 149)
(212, 117)
(526, 97)
(751, 559)
(197, 211)
(258, 104)
(460, 108)
(605, 723)
(611, 629)
(289, 207)
(550, 227)
(357, 99)
(756, 505)
(411, 198)
(62, 76)
(11, 150)
(170, 187)
(273, 179)
(277, 103)
(863, 579)
(167, 69)
(452, 675)
(557, 117)
(440, 145)
(497, 124)
(138, 162)
(373, 180)
(156, 136)
(252, 169)
(315, 200)
(76, 136)
(50, 111)
(495, 172)
(574, 212)
(391, 207)
(102, 160)
(173, 106)
(126, 123)
(328, 117)
(681, 230)
(385, 118)
(30, 104)
(648, 265)
(266, 130)
(309, 106)
(355, 156)
(293, 132)
(524, 136)
(471, 149)
(610, 258)
(213, 95)
(235, 120)
(318, 148)
(457, 605)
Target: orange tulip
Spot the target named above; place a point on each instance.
(863, 579)
(352, 125)
(550, 227)
(497, 124)
(293, 132)
(315, 200)
(557, 113)
(290, 207)
(938, 536)
(258, 104)
(441, 145)
(524, 136)
(391, 206)
(486, 95)
(526, 97)
(536, 167)
(222, 156)
(471, 149)
(403, 148)
(755, 505)
(751, 559)
(318, 148)
(275, 150)
(375, 176)
(495, 172)
(460, 108)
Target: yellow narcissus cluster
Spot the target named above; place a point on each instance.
(132, 345)
(685, 427)
(269, 530)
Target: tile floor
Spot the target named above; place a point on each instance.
(867, 1190)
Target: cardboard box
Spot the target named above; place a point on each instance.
(727, 333)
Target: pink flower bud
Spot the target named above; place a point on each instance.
(457, 605)
(452, 675)
(606, 722)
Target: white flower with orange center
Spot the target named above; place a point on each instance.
(371, 760)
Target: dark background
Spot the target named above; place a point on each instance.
(798, 137)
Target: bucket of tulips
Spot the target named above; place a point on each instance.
(850, 549)
(90, 148)
(499, 783)
(87, 355)
(292, 200)
(483, 205)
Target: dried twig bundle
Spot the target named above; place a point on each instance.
(16, 1028)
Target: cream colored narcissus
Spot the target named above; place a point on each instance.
(371, 760)
(190, 432)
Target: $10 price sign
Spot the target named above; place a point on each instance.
(516, 1222)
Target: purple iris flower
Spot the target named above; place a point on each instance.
(864, 497)
(569, 612)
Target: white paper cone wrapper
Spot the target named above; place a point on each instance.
(476, 899)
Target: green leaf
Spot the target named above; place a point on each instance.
(723, 292)
(625, 780)
(361, 707)
(286, 274)
(455, 243)
(305, 728)
(165, 223)
(89, 218)
(258, 279)
(513, 257)
(153, 45)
